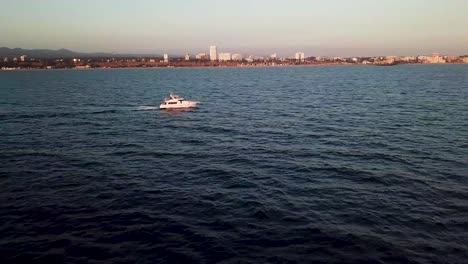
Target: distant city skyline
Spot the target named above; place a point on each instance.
(317, 28)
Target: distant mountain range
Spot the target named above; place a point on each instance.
(61, 53)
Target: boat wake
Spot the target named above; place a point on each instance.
(147, 108)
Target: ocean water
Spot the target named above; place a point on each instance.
(277, 165)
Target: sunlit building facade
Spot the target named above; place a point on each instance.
(224, 56)
(213, 53)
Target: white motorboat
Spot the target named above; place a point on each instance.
(175, 101)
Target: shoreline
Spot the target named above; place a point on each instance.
(228, 67)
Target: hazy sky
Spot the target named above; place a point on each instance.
(328, 27)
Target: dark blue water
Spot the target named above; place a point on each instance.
(278, 165)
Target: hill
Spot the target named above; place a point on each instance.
(61, 53)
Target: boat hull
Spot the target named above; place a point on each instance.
(185, 104)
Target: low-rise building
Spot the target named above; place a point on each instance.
(408, 58)
(5, 59)
(187, 57)
(166, 58)
(224, 56)
(82, 67)
(255, 58)
(237, 57)
(452, 59)
(434, 58)
(23, 58)
(465, 59)
(201, 56)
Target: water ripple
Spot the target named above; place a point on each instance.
(277, 165)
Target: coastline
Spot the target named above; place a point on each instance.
(227, 67)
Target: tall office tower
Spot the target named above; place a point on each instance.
(213, 53)
(297, 56)
(300, 56)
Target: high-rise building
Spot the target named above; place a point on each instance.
(300, 56)
(224, 57)
(166, 58)
(213, 53)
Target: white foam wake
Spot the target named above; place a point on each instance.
(147, 108)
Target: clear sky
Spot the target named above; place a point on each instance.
(317, 27)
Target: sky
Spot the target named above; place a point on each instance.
(261, 27)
